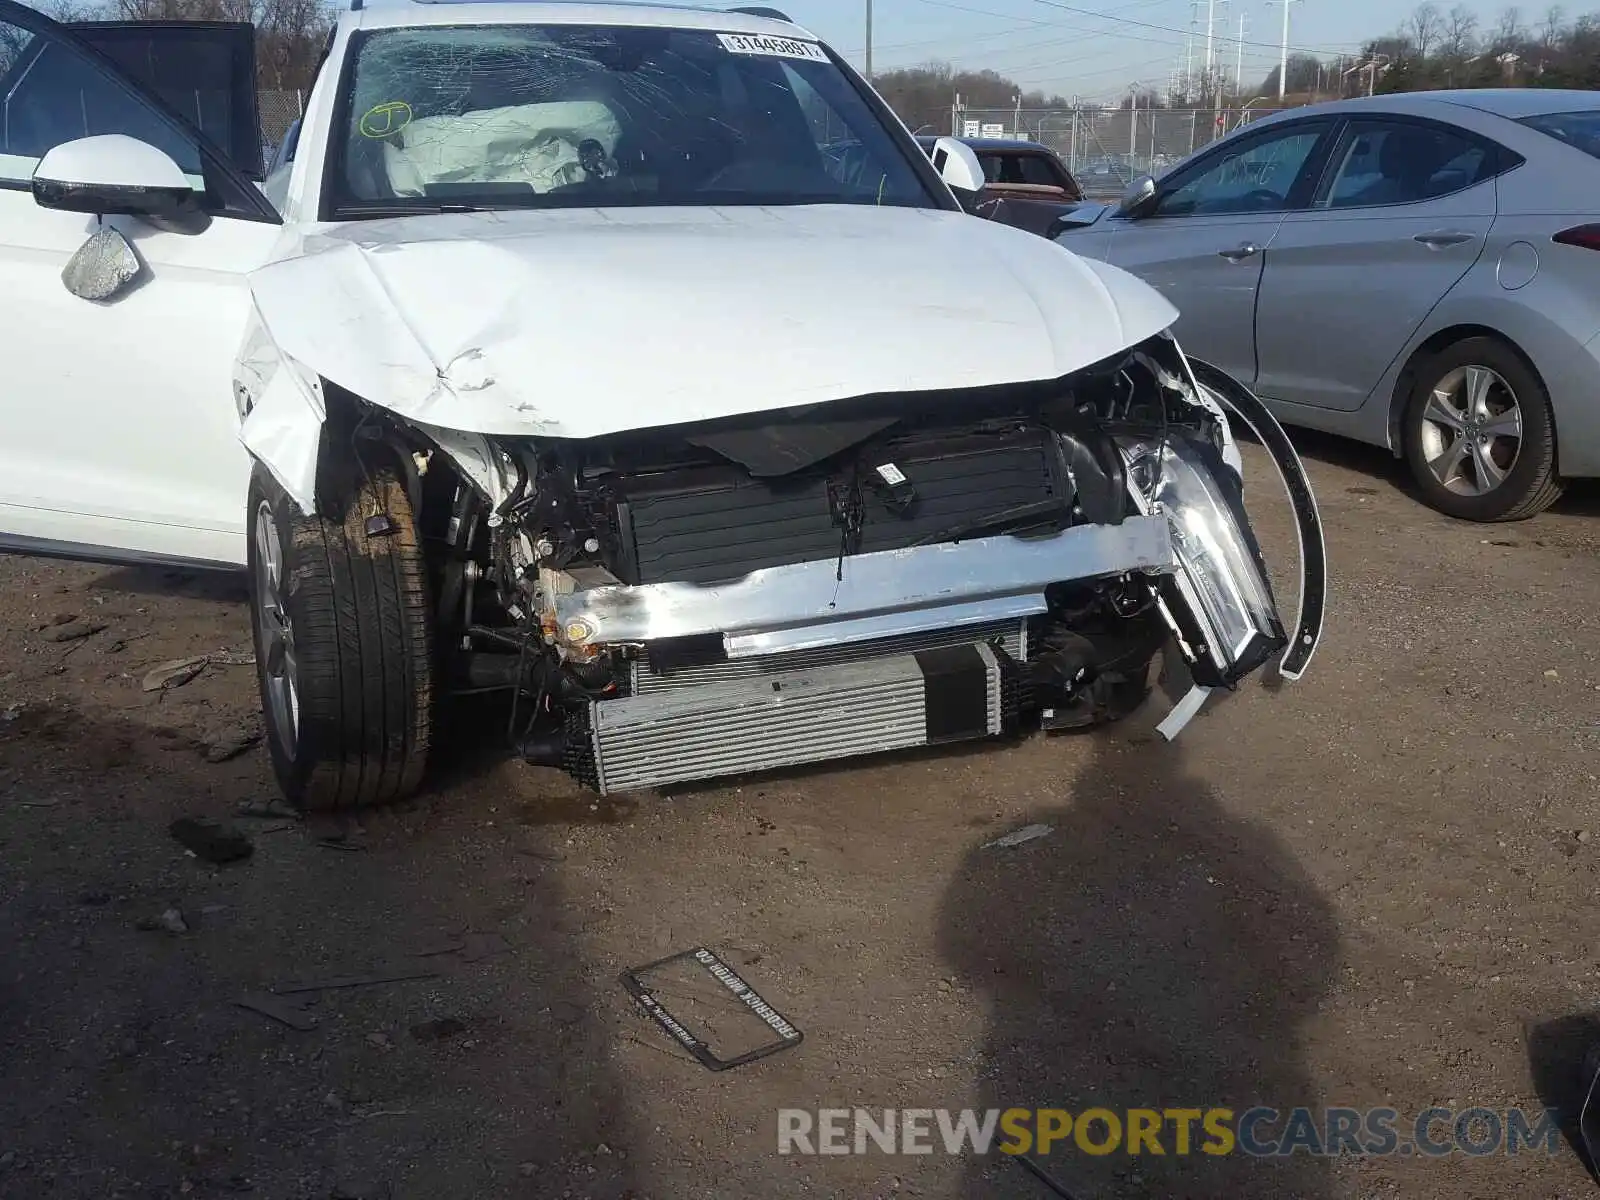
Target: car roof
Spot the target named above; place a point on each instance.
(1511, 103)
(400, 14)
(1005, 144)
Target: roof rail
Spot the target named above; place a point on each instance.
(771, 14)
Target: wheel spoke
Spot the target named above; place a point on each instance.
(1506, 424)
(1479, 381)
(1440, 411)
(1490, 474)
(1446, 464)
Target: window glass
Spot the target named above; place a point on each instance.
(1393, 163)
(50, 94)
(1580, 130)
(1256, 177)
(583, 116)
(1018, 168)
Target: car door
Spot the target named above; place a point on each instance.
(1402, 213)
(120, 433)
(1203, 239)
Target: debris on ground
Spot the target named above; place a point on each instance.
(470, 947)
(283, 1011)
(60, 618)
(1028, 833)
(646, 983)
(230, 743)
(437, 1029)
(273, 809)
(171, 921)
(173, 673)
(232, 658)
(398, 975)
(73, 631)
(211, 841)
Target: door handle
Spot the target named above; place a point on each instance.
(1442, 238)
(1240, 253)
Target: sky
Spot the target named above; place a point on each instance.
(1053, 46)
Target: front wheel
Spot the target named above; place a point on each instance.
(1479, 434)
(343, 645)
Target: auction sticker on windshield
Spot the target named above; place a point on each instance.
(760, 43)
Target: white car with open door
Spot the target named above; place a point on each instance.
(558, 357)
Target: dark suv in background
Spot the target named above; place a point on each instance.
(1027, 185)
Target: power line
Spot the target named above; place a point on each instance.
(1084, 12)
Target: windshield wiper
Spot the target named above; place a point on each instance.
(357, 212)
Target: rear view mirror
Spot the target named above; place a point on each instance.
(1139, 197)
(103, 266)
(958, 166)
(112, 174)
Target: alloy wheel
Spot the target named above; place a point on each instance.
(276, 632)
(1471, 430)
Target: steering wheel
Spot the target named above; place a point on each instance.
(1263, 196)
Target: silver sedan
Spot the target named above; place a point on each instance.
(1416, 271)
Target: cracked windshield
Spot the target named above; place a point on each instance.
(584, 116)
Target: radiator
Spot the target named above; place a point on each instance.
(948, 694)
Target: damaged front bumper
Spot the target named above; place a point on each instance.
(821, 660)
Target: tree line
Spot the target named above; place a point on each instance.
(1439, 48)
(290, 34)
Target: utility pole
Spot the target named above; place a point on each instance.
(1283, 54)
(1238, 63)
(1133, 122)
(869, 41)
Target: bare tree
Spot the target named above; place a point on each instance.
(1555, 22)
(1424, 28)
(1460, 33)
(1509, 30)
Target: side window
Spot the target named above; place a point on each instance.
(50, 94)
(1392, 162)
(1254, 177)
(994, 167)
(1037, 169)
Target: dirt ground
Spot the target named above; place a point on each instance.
(1374, 887)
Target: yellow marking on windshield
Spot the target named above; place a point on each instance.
(386, 119)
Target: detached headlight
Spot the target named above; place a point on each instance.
(1223, 600)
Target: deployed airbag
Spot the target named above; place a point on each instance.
(533, 144)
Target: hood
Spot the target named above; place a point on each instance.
(581, 323)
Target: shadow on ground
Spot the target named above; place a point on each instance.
(131, 1072)
(1153, 952)
(1563, 1056)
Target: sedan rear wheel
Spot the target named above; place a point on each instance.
(1479, 435)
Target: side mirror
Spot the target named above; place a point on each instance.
(958, 166)
(102, 268)
(1139, 197)
(112, 174)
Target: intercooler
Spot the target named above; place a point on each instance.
(645, 677)
(784, 719)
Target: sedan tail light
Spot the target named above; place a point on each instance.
(1585, 236)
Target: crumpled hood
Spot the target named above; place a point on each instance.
(580, 323)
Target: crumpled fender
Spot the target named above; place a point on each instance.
(281, 410)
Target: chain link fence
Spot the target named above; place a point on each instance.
(279, 110)
(1107, 148)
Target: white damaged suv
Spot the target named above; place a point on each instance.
(631, 361)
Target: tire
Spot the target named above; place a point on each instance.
(345, 617)
(1518, 479)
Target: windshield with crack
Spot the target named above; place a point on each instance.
(547, 116)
